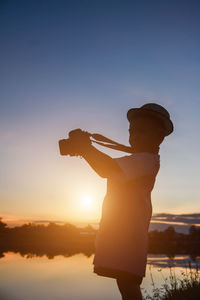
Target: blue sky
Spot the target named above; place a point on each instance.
(71, 64)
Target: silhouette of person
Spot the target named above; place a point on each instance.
(122, 240)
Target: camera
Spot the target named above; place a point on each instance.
(65, 147)
(75, 143)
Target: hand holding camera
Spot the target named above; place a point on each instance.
(77, 142)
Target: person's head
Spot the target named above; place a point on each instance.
(146, 133)
(148, 127)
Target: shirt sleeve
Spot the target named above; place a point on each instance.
(137, 165)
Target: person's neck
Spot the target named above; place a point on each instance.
(151, 149)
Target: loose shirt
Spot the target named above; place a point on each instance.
(122, 239)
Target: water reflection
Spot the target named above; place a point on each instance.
(61, 278)
(154, 259)
(49, 253)
(66, 276)
(183, 261)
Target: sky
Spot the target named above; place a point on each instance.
(83, 64)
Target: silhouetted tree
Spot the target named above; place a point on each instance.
(170, 233)
(193, 231)
(3, 225)
(33, 239)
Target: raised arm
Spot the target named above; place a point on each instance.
(101, 163)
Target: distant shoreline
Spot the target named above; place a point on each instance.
(68, 238)
(159, 221)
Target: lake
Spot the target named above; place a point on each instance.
(72, 278)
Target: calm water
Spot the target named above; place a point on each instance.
(72, 278)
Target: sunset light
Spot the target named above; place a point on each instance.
(86, 202)
(99, 156)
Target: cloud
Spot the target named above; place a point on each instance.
(184, 219)
(181, 223)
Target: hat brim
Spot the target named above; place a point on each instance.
(168, 125)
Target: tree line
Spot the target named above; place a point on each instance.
(33, 239)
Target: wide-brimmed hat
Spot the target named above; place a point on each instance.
(154, 110)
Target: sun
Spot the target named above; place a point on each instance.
(86, 201)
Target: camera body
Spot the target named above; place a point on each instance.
(75, 143)
(65, 146)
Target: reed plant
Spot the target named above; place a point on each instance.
(186, 286)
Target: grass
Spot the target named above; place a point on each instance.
(184, 287)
